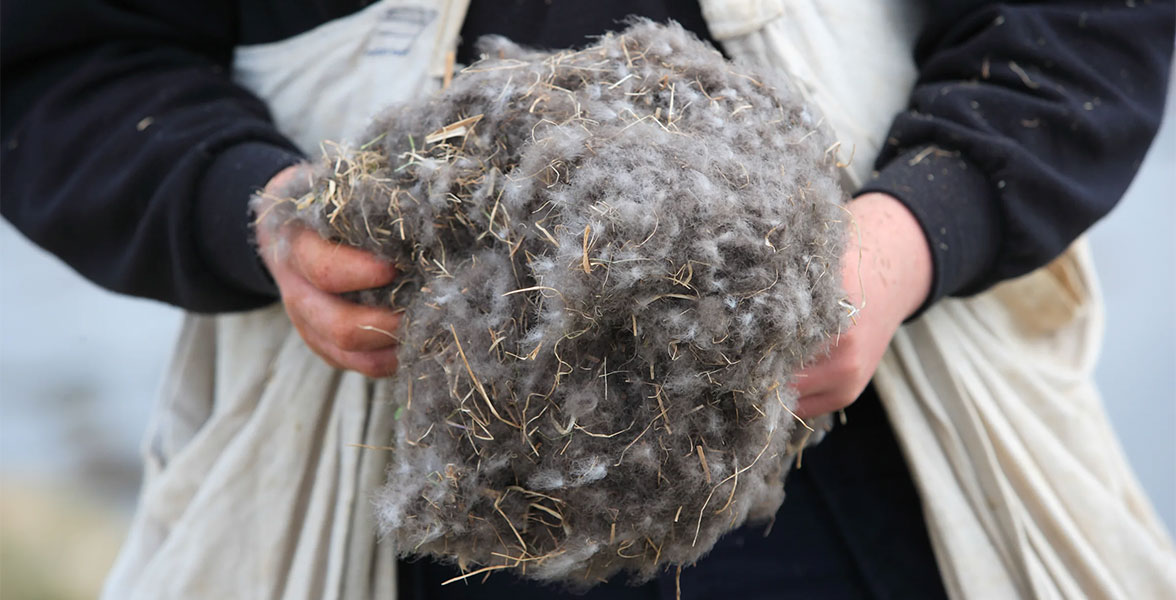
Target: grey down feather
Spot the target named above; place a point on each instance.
(611, 259)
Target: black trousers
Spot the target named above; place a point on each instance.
(851, 527)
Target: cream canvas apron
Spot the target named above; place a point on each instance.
(257, 486)
(1024, 487)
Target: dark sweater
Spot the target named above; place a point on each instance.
(129, 153)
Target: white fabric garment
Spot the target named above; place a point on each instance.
(327, 83)
(1025, 489)
(255, 487)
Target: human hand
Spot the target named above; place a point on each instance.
(886, 272)
(310, 273)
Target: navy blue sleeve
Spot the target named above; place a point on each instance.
(129, 153)
(1026, 125)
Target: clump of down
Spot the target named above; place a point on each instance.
(612, 259)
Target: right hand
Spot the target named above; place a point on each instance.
(310, 273)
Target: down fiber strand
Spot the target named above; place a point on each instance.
(611, 260)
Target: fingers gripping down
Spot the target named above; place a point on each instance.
(311, 273)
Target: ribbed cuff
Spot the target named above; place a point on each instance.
(224, 223)
(957, 209)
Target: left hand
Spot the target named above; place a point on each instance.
(887, 274)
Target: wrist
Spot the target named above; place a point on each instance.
(224, 224)
(958, 209)
(888, 258)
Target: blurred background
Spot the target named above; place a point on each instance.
(79, 367)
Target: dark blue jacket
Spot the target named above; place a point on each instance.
(129, 153)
